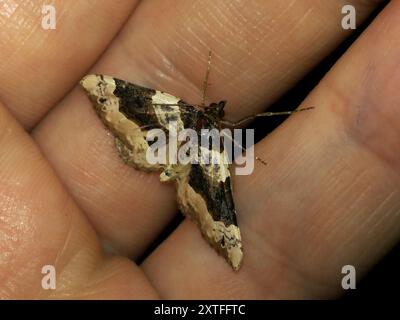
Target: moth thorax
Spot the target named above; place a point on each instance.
(215, 110)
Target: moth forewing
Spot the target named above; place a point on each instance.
(130, 140)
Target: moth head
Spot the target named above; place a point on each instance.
(216, 110)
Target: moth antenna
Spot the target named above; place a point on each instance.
(205, 82)
(243, 149)
(264, 114)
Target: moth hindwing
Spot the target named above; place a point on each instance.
(204, 190)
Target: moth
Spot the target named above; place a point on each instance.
(204, 191)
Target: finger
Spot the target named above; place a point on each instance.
(329, 197)
(164, 46)
(40, 225)
(38, 65)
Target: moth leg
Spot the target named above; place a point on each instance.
(241, 122)
(169, 174)
(173, 172)
(243, 149)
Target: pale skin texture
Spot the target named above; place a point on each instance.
(328, 197)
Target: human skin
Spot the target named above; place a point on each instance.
(328, 196)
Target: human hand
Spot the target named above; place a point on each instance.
(329, 196)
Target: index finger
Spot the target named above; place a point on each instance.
(41, 61)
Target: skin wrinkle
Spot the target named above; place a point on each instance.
(276, 251)
(284, 45)
(380, 238)
(197, 92)
(250, 81)
(213, 15)
(26, 22)
(261, 232)
(4, 17)
(166, 63)
(9, 290)
(286, 265)
(17, 242)
(122, 270)
(233, 67)
(87, 265)
(60, 254)
(117, 220)
(92, 285)
(6, 37)
(378, 216)
(67, 286)
(349, 241)
(8, 8)
(200, 28)
(61, 14)
(335, 184)
(220, 17)
(182, 78)
(124, 185)
(354, 125)
(301, 21)
(340, 107)
(174, 73)
(330, 228)
(130, 53)
(203, 29)
(232, 27)
(253, 31)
